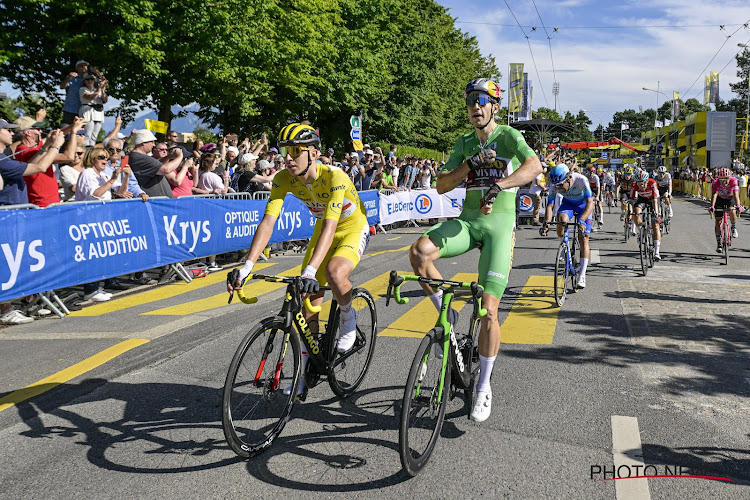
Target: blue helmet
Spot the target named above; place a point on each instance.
(641, 176)
(558, 173)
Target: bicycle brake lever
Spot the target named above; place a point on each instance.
(388, 295)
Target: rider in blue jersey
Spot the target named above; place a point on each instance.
(571, 194)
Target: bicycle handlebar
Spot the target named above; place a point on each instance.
(395, 282)
(245, 299)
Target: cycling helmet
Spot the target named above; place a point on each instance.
(662, 169)
(724, 172)
(558, 173)
(486, 86)
(599, 170)
(641, 176)
(591, 168)
(627, 170)
(297, 134)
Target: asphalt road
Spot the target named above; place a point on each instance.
(632, 370)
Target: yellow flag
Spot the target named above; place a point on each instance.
(707, 91)
(515, 89)
(714, 88)
(156, 126)
(358, 146)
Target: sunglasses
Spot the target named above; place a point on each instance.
(158, 149)
(482, 99)
(114, 150)
(723, 180)
(101, 157)
(80, 153)
(562, 184)
(294, 151)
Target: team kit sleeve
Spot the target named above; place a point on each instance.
(515, 141)
(278, 191)
(457, 155)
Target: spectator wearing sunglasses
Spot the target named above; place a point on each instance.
(113, 147)
(68, 174)
(149, 171)
(93, 183)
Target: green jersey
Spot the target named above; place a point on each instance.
(511, 150)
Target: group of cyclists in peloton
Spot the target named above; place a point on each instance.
(493, 161)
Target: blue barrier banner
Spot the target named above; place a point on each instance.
(67, 245)
(372, 205)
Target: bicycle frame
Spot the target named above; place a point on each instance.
(448, 287)
(566, 240)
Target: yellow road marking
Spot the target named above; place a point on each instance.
(69, 373)
(394, 239)
(389, 251)
(252, 289)
(160, 293)
(533, 317)
(420, 319)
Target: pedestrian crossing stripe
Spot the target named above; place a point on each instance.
(419, 319)
(159, 293)
(252, 289)
(533, 317)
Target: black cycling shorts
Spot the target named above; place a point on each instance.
(663, 190)
(723, 204)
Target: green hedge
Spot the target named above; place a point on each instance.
(402, 151)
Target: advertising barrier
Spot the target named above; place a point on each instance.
(77, 243)
(420, 204)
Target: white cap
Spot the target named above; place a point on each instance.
(234, 150)
(246, 158)
(142, 136)
(369, 152)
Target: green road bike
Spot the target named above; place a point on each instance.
(434, 378)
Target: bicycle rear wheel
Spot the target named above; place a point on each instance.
(626, 225)
(650, 247)
(575, 258)
(725, 242)
(471, 356)
(643, 249)
(349, 369)
(254, 407)
(421, 413)
(561, 274)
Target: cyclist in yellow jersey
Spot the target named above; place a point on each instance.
(341, 232)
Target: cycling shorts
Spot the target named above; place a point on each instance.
(641, 203)
(723, 204)
(572, 208)
(350, 244)
(624, 194)
(494, 236)
(609, 188)
(663, 190)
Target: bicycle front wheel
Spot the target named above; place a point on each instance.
(349, 369)
(725, 243)
(422, 412)
(561, 274)
(643, 249)
(254, 407)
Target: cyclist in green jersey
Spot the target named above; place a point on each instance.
(493, 160)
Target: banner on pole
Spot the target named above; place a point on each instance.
(515, 89)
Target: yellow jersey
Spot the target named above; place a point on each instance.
(331, 195)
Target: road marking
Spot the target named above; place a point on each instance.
(252, 289)
(394, 239)
(69, 373)
(594, 257)
(419, 319)
(154, 295)
(627, 450)
(533, 317)
(389, 251)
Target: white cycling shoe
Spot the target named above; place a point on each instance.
(734, 233)
(347, 330)
(671, 213)
(482, 406)
(581, 283)
(300, 388)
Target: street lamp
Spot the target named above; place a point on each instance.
(747, 110)
(657, 98)
(600, 122)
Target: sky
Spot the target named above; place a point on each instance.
(603, 52)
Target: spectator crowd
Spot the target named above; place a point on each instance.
(42, 166)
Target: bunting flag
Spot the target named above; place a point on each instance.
(658, 124)
(675, 104)
(624, 126)
(358, 146)
(515, 89)
(667, 122)
(156, 126)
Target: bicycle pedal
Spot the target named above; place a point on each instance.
(302, 397)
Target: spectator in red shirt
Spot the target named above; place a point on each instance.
(42, 187)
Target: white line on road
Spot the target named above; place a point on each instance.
(595, 258)
(626, 450)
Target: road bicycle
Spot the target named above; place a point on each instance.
(610, 198)
(434, 376)
(726, 232)
(646, 240)
(628, 222)
(597, 215)
(567, 260)
(256, 406)
(666, 220)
